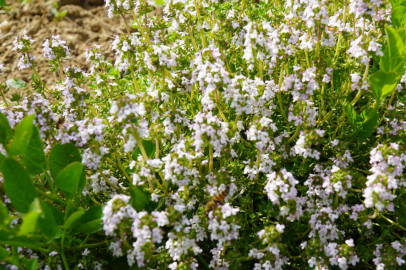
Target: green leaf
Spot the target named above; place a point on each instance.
(57, 215)
(2, 158)
(71, 180)
(4, 217)
(396, 3)
(368, 127)
(35, 206)
(394, 55)
(61, 156)
(62, 13)
(139, 199)
(2, 5)
(20, 241)
(31, 264)
(34, 159)
(22, 136)
(16, 83)
(4, 253)
(402, 34)
(90, 227)
(18, 185)
(382, 83)
(5, 129)
(351, 114)
(70, 208)
(149, 149)
(398, 16)
(16, 97)
(47, 224)
(91, 221)
(94, 212)
(73, 219)
(29, 225)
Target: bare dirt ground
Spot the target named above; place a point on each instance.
(85, 24)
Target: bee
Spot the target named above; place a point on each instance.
(60, 122)
(217, 200)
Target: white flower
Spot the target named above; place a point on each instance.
(280, 227)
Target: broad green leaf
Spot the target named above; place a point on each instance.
(73, 220)
(22, 136)
(141, 200)
(58, 215)
(2, 158)
(20, 241)
(396, 3)
(4, 217)
(94, 212)
(382, 83)
(18, 185)
(90, 227)
(62, 13)
(351, 114)
(402, 34)
(71, 179)
(149, 149)
(368, 127)
(4, 253)
(29, 224)
(394, 55)
(34, 159)
(31, 264)
(70, 208)
(5, 129)
(91, 220)
(398, 16)
(16, 83)
(61, 156)
(36, 206)
(47, 224)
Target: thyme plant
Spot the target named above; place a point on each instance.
(290, 114)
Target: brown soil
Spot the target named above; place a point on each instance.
(83, 26)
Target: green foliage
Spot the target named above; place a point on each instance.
(398, 16)
(58, 14)
(5, 130)
(61, 156)
(22, 137)
(141, 200)
(18, 185)
(2, 4)
(394, 55)
(90, 222)
(34, 159)
(16, 83)
(383, 83)
(71, 180)
(149, 149)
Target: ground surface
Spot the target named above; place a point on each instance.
(86, 23)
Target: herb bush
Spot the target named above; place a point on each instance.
(224, 135)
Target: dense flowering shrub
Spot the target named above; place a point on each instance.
(223, 135)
